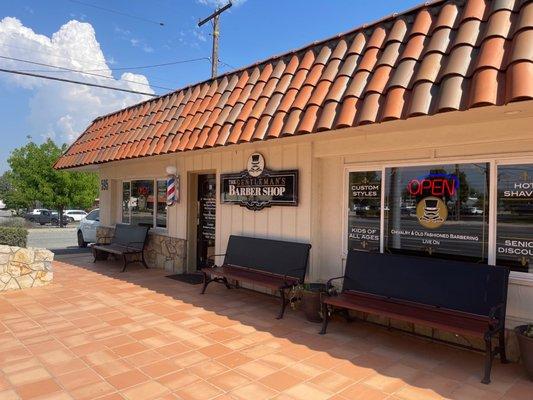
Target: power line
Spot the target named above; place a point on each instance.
(11, 71)
(118, 12)
(75, 70)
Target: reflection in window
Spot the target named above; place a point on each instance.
(161, 212)
(364, 210)
(439, 211)
(142, 202)
(126, 202)
(514, 232)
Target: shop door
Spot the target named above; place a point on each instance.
(205, 229)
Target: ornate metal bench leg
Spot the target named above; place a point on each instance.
(95, 255)
(503, 354)
(125, 262)
(488, 359)
(226, 283)
(325, 319)
(207, 281)
(144, 261)
(283, 304)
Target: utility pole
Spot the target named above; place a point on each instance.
(216, 32)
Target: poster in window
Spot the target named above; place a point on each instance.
(514, 231)
(364, 210)
(438, 211)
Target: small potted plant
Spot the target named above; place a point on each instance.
(309, 295)
(524, 333)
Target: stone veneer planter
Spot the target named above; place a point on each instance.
(24, 268)
(164, 252)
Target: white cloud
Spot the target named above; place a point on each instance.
(62, 110)
(199, 35)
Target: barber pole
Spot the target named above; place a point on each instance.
(171, 190)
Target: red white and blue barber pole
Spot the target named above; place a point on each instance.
(172, 186)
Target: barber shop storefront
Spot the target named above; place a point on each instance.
(405, 137)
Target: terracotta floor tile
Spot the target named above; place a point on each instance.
(144, 358)
(178, 380)
(331, 381)
(256, 369)
(139, 335)
(215, 350)
(159, 368)
(306, 391)
(9, 395)
(280, 381)
(76, 379)
(207, 369)
(39, 388)
(129, 349)
(114, 367)
(254, 391)
(92, 391)
(127, 379)
(28, 376)
(145, 391)
(200, 390)
(229, 381)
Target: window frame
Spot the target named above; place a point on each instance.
(154, 209)
(524, 278)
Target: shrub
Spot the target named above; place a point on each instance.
(13, 236)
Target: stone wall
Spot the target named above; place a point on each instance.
(24, 268)
(161, 251)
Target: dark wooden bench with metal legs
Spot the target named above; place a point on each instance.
(273, 264)
(460, 297)
(127, 241)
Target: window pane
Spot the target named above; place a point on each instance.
(364, 207)
(126, 202)
(438, 211)
(142, 202)
(514, 234)
(161, 216)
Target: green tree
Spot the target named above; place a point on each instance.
(33, 178)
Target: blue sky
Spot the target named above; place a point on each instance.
(40, 31)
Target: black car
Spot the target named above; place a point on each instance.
(43, 217)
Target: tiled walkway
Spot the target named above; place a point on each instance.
(97, 333)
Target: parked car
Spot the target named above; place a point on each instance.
(87, 229)
(37, 211)
(43, 217)
(75, 215)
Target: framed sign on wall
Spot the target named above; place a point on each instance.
(258, 187)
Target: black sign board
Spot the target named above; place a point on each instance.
(268, 188)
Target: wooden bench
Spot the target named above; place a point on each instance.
(127, 240)
(460, 297)
(274, 264)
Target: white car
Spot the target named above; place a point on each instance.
(87, 228)
(75, 215)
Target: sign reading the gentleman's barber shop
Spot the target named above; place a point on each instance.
(258, 187)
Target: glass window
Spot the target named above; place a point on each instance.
(161, 212)
(514, 231)
(439, 211)
(126, 202)
(364, 210)
(93, 215)
(142, 202)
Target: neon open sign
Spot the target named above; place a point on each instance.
(434, 185)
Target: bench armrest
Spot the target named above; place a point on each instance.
(212, 258)
(497, 313)
(330, 289)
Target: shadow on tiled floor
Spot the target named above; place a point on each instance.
(99, 333)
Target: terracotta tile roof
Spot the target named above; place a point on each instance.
(443, 56)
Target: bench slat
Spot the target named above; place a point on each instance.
(461, 324)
